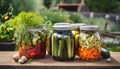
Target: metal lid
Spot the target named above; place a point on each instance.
(62, 23)
(62, 26)
(89, 27)
(77, 25)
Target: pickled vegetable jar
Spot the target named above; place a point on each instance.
(48, 41)
(36, 47)
(76, 32)
(89, 43)
(62, 43)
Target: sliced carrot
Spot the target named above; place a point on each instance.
(88, 54)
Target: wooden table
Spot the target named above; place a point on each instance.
(6, 62)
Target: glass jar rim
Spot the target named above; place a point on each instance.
(77, 25)
(89, 27)
(61, 23)
(62, 26)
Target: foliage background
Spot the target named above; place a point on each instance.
(107, 6)
(40, 6)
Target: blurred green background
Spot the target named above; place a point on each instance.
(107, 6)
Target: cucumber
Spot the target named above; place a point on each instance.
(65, 50)
(105, 53)
(72, 47)
(69, 46)
(76, 41)
(54, 45)
(61, 45)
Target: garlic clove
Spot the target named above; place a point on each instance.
(108, 60)
(16, 57)
(24, 58)
(21, 61)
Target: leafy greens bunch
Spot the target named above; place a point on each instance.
(22, 23)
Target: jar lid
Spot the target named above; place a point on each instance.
(89, 27)
(62, 26)
(62, 23)
(77, 25)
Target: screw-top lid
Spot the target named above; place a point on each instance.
(62, 23)
(89, 27)
(77, 25)
(62, 26)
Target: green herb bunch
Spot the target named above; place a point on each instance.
(22, 23)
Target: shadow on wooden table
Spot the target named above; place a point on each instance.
(76, 62)
(48, 60)
(79, 64)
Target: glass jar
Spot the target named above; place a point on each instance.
(48, 41)
(36, 48)
(76, 32)
(62, 43)
(89, 43)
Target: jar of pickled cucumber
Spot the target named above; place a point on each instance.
(76, 32)
(48, 41)
(36, 47)
(62, 43)
(89, 43)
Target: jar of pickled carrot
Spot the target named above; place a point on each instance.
(89, 43)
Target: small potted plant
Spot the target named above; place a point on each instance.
(6, 38)
(7, 31)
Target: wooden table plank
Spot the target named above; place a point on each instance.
(7, 62)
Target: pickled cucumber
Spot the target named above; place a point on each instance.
(73, 48)
(61, 46)
(54, 45)
(69, 47)
(76, 40)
